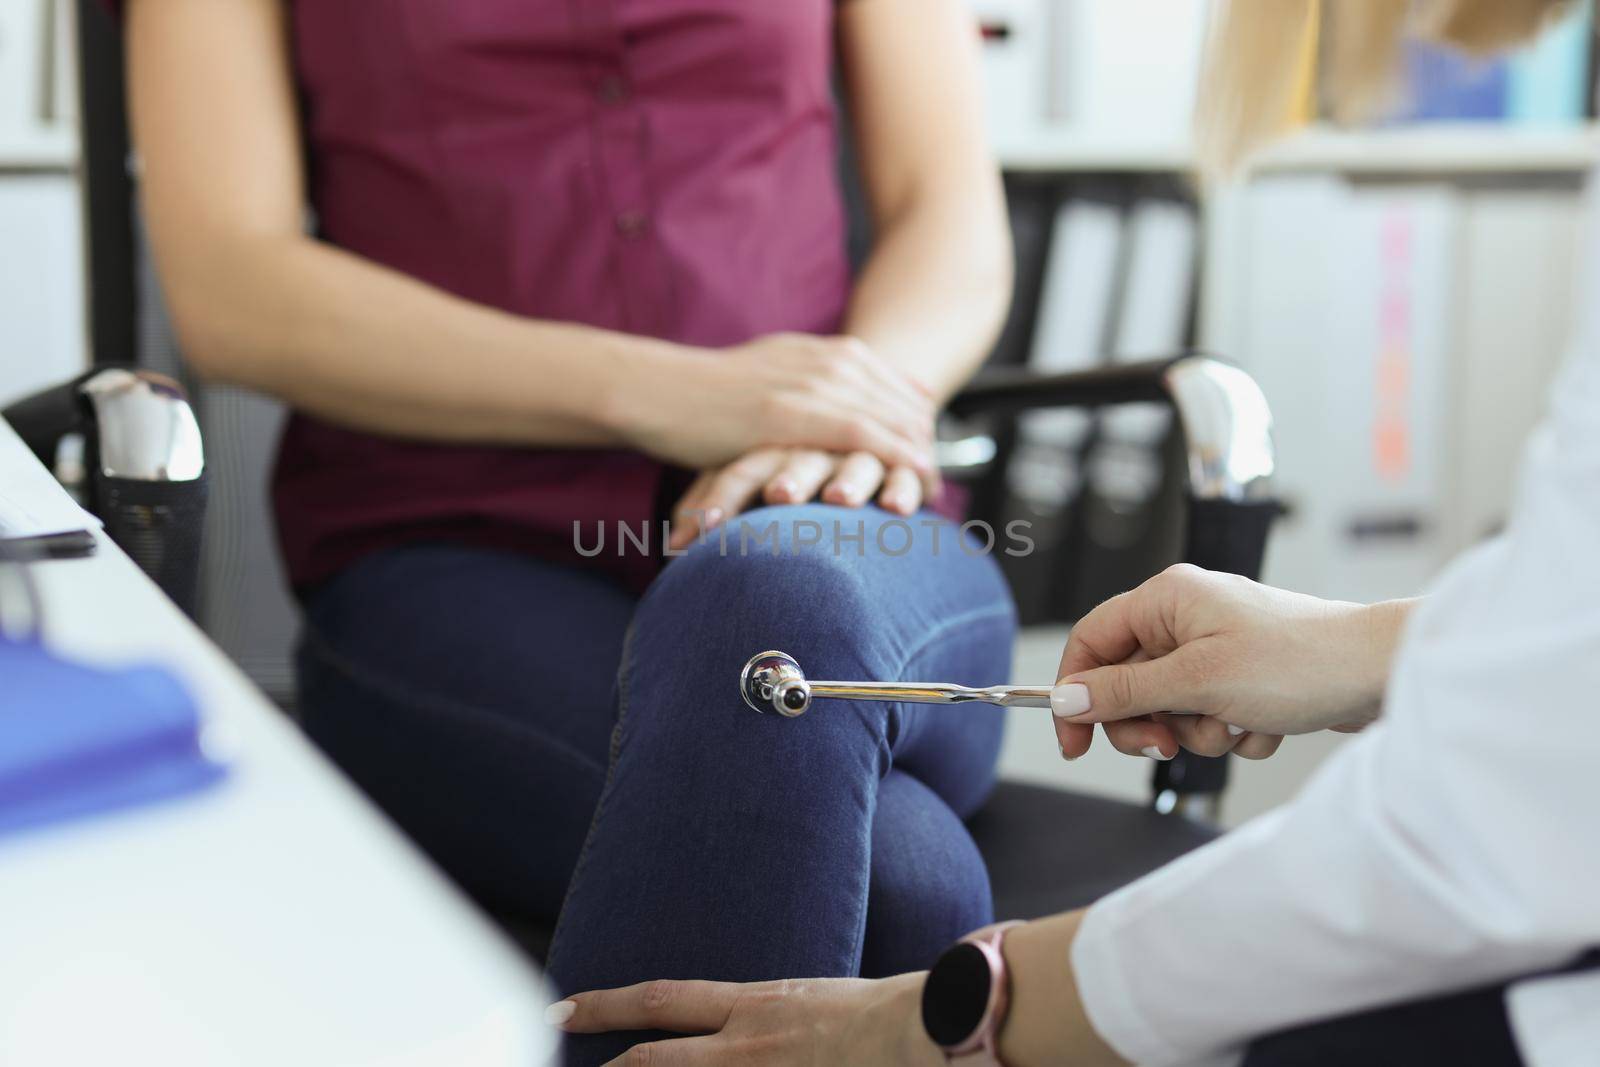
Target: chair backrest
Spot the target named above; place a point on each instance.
(243, 600)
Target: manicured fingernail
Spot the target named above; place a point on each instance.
(1236, 731)
(1154, 752)
(1069, 700)
(559, 1012)
(785, 489)
(713, 517)
(1063, 750)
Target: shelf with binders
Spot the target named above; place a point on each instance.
(1106, 271)
(38, 87)
(47, 149)
(1128, 112)
(1442, 148)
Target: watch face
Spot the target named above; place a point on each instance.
(956, 995)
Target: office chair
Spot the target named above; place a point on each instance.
(241, 597)
(1050, 850)
(1047, 849)
(143, 469)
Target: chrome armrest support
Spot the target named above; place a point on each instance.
(147, 430)
(147, 478)
(1227, 429)
(1225, 421)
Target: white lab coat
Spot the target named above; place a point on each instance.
(1454, 844)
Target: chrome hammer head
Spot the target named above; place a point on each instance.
(773, 681)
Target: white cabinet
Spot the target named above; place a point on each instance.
(1405, 334)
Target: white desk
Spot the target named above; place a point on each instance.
(275, 920)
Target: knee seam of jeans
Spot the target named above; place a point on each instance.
(624, 673)
(943, 629)
(937, 635)
(623, 679)
(315, 645)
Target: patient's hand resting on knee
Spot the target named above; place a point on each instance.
(784, 471)
(795, 476)
(1250, 662)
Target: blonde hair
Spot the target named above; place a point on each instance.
(1258, 51)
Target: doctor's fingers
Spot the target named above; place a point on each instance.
(1257, 746)
(1142, 737)
(1073, 739)
(1207, 736)
(1201, 734)
(1133, 738)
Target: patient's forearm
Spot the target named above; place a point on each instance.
(931, 298)
(310, 323)
(935, 290)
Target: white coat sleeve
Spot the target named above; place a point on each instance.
(1454, 844)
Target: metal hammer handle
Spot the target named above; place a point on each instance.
(773, 681)
(1005, 696)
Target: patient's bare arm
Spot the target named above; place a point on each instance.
(935, 288)
(259, 303)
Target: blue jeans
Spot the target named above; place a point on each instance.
(558, 745)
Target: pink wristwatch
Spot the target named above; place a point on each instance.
(965, 998)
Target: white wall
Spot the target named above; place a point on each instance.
(42, 329)
(42, 320)
(1405, 332)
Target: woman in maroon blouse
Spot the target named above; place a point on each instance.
(581, 262)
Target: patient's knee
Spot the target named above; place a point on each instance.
(781, 550)
(711, 610)
(774, 578)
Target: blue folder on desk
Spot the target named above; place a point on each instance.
(75, 740)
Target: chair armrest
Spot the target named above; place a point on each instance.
(1227, 436)
(1226, 424)
(1013, 389)
(147, 477)
(142, 424)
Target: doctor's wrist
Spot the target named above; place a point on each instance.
(1381, 627)
(902, 1007)
(1047, 1022)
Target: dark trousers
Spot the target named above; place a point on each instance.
(1470, 1029)
(559, 744)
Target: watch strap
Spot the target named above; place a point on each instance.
(981, 1049)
